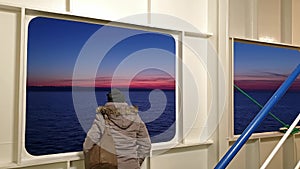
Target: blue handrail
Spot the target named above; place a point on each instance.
(234, 149)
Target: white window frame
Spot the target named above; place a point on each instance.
(269, 134)
(23, 156)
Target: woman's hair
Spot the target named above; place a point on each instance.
(115, 95)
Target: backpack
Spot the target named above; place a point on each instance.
(103, 154)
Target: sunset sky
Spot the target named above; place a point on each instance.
(54, 45)
(259, 67)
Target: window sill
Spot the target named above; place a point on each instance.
(168, 146)
(67, 157)
(193, 144)
(256, 136)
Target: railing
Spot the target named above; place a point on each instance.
(234, 149)
(280, 143)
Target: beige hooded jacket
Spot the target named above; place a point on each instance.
(131, 138)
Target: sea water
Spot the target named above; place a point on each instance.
(245, 110)
(52, 125)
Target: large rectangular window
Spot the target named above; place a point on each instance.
(259, 70)
(69, 62)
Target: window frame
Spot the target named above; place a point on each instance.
(23, 155)
(232, 40)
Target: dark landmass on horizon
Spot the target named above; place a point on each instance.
(70, 88)
(264, 85)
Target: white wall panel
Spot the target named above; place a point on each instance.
(49, 166)
(266, 147)
(194, 12)
(237, 21)
(256, 19)
(297, 147)
(243, 18)
(6, 154)
(109, 10)
(247, 157)
(8, 81)
(286, 21)
(269, 20)
(181, 158)
(194, 88)
(53, 5)
(296, 22)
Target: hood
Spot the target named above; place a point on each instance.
(121, 114)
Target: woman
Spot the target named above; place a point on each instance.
(130, 135)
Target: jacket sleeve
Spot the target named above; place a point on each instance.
(94, 133)
(143, 142)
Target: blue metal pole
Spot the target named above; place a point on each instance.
(257, 120)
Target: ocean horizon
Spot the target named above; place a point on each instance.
(52, 125)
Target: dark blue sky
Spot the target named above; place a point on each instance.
(54, 45)
(263, 65)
